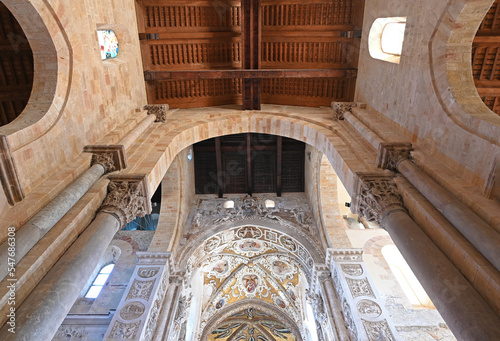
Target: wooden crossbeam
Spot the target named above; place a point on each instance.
(249, 74)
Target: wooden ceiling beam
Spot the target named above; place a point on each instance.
(249, 74)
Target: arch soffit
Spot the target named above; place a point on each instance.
(244, 305)
(305, 251)
(321, 135)
(53, 64)
(450, 49)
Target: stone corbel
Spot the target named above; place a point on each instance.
(127, 197)
(159, 110)
(376, 195)
(390, 154)
(339, 108)
(111, 157)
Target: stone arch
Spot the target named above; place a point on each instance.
(450, 50)
(243, 305)
(322, 136)
(53, 63)
(298, 237)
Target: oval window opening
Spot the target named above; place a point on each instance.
(392, 38)
(108, 44)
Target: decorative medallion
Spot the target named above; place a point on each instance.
(250, 282)
(369, 308)
(360, 287)
(220, 267)
(219, 304)
(249, 232)
(147, 272)
(292, 294)
(352, 269)
(280, 303)
(281, 268)
(141, 289)
(132, 310)
(250, 245)
(288, 243)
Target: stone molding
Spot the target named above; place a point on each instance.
(127, 198)
(159, 110)
(139, 308)
(390, 154)
(111, 157)
(8, 174)
(364, 312)
(339, 108)
(161, 258)
(376, 195)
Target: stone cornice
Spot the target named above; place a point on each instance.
(148, 258)
(111, 157)
(376, 195)
(127, 198)
(159, 110)
(343, 255)
(390, 154)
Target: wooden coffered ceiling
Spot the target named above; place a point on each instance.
(16, 67)
(486, 59)
(218, 52)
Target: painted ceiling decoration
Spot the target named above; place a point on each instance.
(251, 263)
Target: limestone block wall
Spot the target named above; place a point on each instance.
(85, 98)
(420, 93)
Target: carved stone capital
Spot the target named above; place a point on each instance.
(111, 157)
(322, 273)
(390, 154)
(376, 195)
(339, 108)
(127, 198)
(159, 110)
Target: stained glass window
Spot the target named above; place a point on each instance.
(108, 43)
(99, 281)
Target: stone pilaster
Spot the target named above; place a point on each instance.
(137, 314)
(363, 309)
(376, 195)
(111, 157)
(390, 154)
(159, 110)
(339, 108)
(127, 198)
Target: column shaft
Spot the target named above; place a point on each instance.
(43, 311)
(334, 309)
(472, 227)
(464, 310)
(30, 233)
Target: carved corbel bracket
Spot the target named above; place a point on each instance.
(390, 154)
(159, 110)
(111, 157)
(127, 197)
(339, 108)
(376, 195)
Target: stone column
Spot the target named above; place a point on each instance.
(104, 160)
(396, 156)
(139, 309)
(45, 308)
(464, 310)
(332, 304)
(362, 307)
